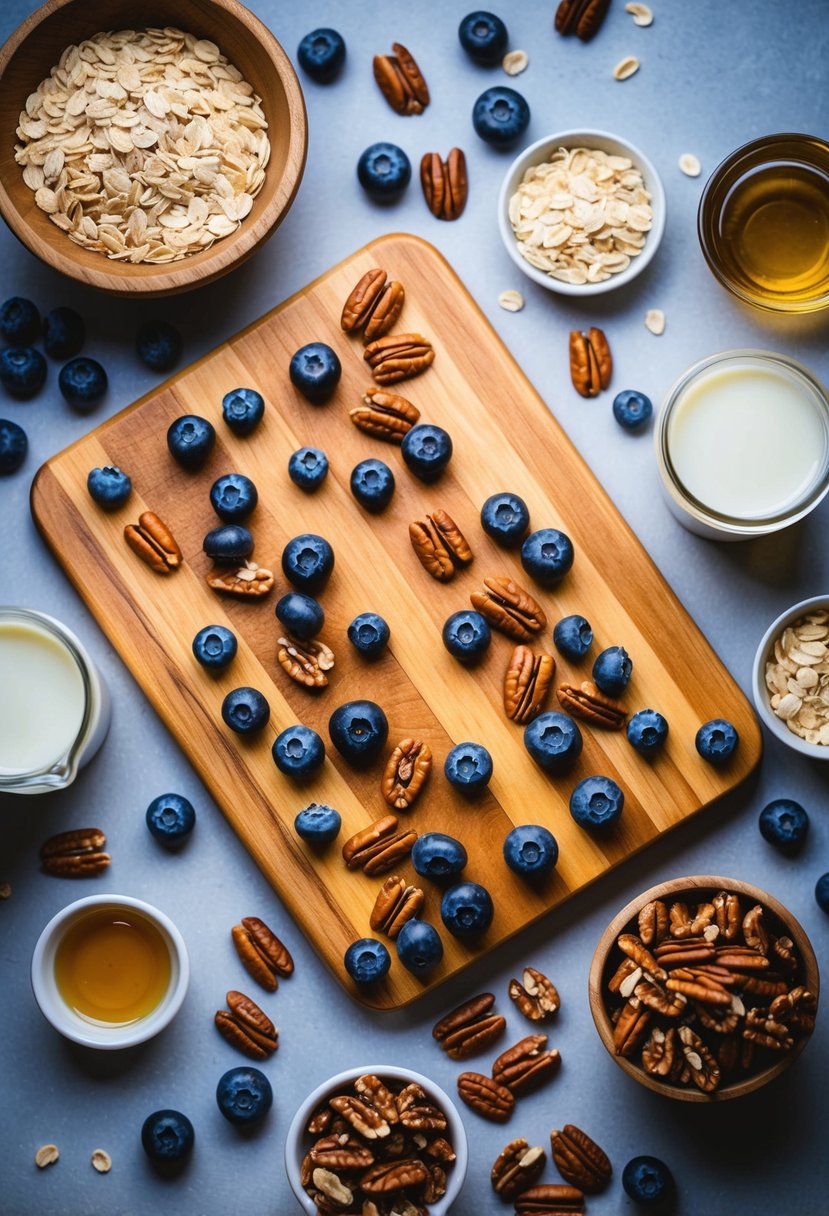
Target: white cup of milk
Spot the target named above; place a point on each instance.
(54, 706)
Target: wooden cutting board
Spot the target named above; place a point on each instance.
(505, 438)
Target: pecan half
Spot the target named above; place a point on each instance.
(669, 1004)
(705, 1071)
(766, 986)
(728, 915)
(372, 1090)
(527, 682)
(550, 1199)
(440, 1149)
(517, 1167)
(626, 969)
(633, 948)
(384, 415)
(332, 1187)
(263, 955)
(401, 81)
(406, 772)
(796, 1009)
(659, 1054)
(440, 545)
(154, 543)
(388, 1177)
(698, 985)
(537, 998)
(486, 1097)
(341, 1153)
(579, 1159)
(755, 934)
(593, 706)
(653, 923)
(398, 357)
(305, 662)
(435, 1185)
(684, 925)
(417, 1113)
(246, 1027)
(362, 300)
(741, 958)
(397, 902)
(378, 848)
(78, 853)
(509, 608)
(581, 17)
(766, 1031)
(671, 953)
(717, 1018)
(527, 1065)
(360, 1116)
(470, 1028)
(248, 581)
(631, 1027)
(591, 364)
(445, 184)
(783, 950)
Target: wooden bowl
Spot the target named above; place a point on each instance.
(36, 46)
(695, 889)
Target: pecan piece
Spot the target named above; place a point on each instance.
(741, 958)
(154, 543)
(360, 1116)
(579, 1159)
(683, 925)
(755, 934)
(486, 1097)
(624, 972)
(440, 545)
(550, 1199)
(526, 1066)
(470, 1028)
(717, 1018)
(669, 1004)
(372, 1090)
(728, 915)
(263, 955)
(591, 364)
(766, 986)
(406, 772)
(397, 902)
(653, 923)
(435, 1185)
(440, 1149)
(388, 1177)
(248, 581)
(671, 953)
(631, 1027)
(796, 1009)
(705, 1071)
(332, 1187)
(698, 985)
(633, 948)
(765, 1031)
(378, 848)
(445, 184)
(341, 1153)
(78, 853)
(527, 682)
(783, 950)
(509, 608)
(581, 17)
(593, 706)
(384, 415)
(537, 998)
(417, 1113)
(246, 1027)
(517, 1167)
(659, 1054)
(398, 357)
(305, 662)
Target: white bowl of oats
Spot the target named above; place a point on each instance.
(790, 678)
(581, 212)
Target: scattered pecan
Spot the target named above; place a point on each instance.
(653, 923)
(527, 682)
(509, 608)
(591, 364)
(379, 847)
(398, 357)
(78, 853)
(631, 1027)
(248, 581)
(537, 997)
(486, 1097)
(526, 1066)
(384, 415)
(373, 305)
(581, 17)
(593, 706)
(401, 81)
(445, 184)
(263, 955)
(305, 662)
(550, 1199)
(246, 1027)
(406, 772)
(516, 1168)
(440, 545)
(470, 1028)
(579, 1159)
(154, 543)
(397, 902)
(705, 1071)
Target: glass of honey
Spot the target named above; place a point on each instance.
(763, 223)
(110, 971)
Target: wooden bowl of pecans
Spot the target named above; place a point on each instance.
(790, 677)
(704, 988)
(142, 158)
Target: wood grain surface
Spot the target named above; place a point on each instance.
(505, 439)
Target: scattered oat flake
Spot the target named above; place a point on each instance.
(640, 13)
(515, 62)
(47, 1154)
(689, 164)
(511, 300)
(655, 321)
(625, 68)
(101, 1161)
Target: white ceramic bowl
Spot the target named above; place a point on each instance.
(92, 1034)
(819, 751)
(541, 151)
(298, 1141)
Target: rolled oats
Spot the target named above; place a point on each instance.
(797, 677)
(640, 13)
(47, 1154)
(655, 321)
(689, 164)
(511, 300)
(101, 1161)
(626, 68)
(515, 62)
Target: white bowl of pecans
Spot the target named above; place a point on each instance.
(790, 678)
(581, 212)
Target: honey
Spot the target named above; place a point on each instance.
(112, 966)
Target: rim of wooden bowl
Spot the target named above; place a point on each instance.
(197, 269)
(672, 889)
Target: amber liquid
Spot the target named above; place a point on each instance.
(112, 966)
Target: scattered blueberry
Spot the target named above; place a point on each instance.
(228, 545)
(315, 370)
(384, 171)
(158, 344)
(611, 670)
(367, 960)
(64, 333)
(419, 947)
(215, 647)
(301, 615)
(466, 909)
(167, 1135)
(468, 767)
(244, 1095)
(372, 484)
(307, 561)
(19, 322)
(426, 450)
(505, 517)
(466, 635)
(245, 710)
(13, 446)
(632, 409)
(436, 855)
(233, 497)
(647, 1181)
(547, 555)
(554, 741)
(596, 802)
(318, 824)
(530, 850)
(321, 54)
(647, 731)
(171, 818)
(716, 740)
(242, 410)
(484, 38)
(110, 487)
(784, 823)
(22, 371)
(500, 116)
(369, 634)
(359, 730)
(822, 892)
(190, 440)
(298, 751)
(308, 468)
(83, 382)
(573, 636)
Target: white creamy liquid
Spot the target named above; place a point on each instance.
(42, 698)
(747, 441)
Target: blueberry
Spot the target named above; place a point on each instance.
(19, 322)
(547, 555)
(109, 487)
(245, 710)
(612, 670)
(242, 410)
(233, 497)
(372, 484)
(426, 450)
(308, 468)
(573, 636)
(500, 116)
(436, 855)
(244, 1095)
(468, 767)
(171, 818)
(307, 561)
(167, 1135)
(298, 751)
(317, 824)
(384, 171)
(419, 947)
(530, 850)
(359, 730)
(158, 344)
(321, 54)
(784, 823)
(315, 370)
(215, 647)
(301, 615)
(83, 382)
(369, 634)
(22, 371)
(64, 333)
(367, 960)
(484, 38)
(554, 741)
(632, 409)
(505, 517)
(228, 545)
(647, 1181)
(190, 440)
(466, 635)
(596, 802)
(822, 892)
(466, 909)
(647, 731)
(716, 741)
(13, 446)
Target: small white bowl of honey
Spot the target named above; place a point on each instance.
(110, 971)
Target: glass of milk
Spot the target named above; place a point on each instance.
(54, 706)
(742, 444)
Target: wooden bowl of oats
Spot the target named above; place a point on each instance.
(790, 677)
(147, 158)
